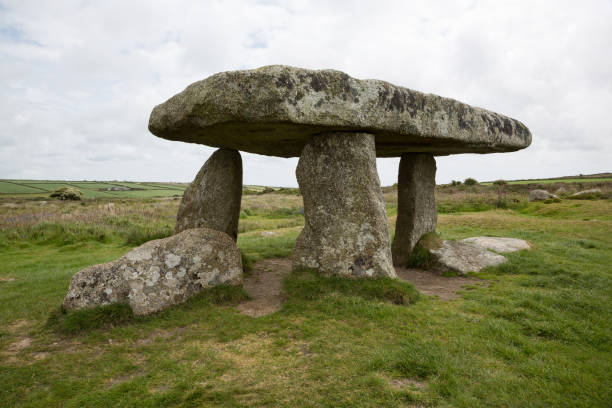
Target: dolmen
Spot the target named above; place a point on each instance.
(337, 126)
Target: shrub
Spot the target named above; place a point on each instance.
(455, 183)
(470, 181)
(66, 193)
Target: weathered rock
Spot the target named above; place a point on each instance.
(275, 110)
(560, 191)
(212, 200)
(586, 193)
(498, 244)
(159, 273)
(462, 257)
(416, 204)
(346, 230)
(540, 195)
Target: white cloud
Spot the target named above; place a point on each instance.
(80, 78)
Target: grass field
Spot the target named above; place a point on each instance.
(39, 189)
(539, 335)
(552, 181)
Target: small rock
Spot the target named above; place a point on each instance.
(586, 193)
(463, 258)
(159, 273)
(540, 195)
(560, 190)
(498, 244)
(267, 233)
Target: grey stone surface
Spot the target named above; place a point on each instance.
(540, 195)
(585, 193)
(416, 204)
(212, 200)
(498, 244)
(159, 273)
(275, 110)
(346, 230)
(462, 257)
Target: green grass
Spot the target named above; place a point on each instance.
(13, 188)
(538, 335)
(90, 190)
(551, 181)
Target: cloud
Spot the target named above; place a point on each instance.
(80, 78)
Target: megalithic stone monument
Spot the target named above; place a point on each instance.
(212, 200)
(330, 121)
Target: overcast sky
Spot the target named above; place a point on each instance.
(79, 78)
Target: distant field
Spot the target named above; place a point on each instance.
(90, 189)
(565, 180)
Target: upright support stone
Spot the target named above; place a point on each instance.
(346, 230)
(212, 200)
(416, 203)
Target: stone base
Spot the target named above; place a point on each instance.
(212, 200)
(346, 230)
(416, 203)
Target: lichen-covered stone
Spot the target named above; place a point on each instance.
(499, 244)
(275, 110)
(540, 195)
(212, 200)
(159, 273)
(416, 204)
(346, 230)
(587, 193)
(461, 257)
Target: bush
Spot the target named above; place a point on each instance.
(470, 181)
(455, 183)
(499, 183)
(66, 193)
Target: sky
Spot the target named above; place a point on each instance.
(79, 78)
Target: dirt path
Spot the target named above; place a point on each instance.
(265, 285)
(432, 284)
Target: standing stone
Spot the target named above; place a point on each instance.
(346, 230)
(212, 200)
(416, 203)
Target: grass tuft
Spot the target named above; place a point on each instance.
(309, 285)
(78, 321)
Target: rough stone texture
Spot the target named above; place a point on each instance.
(540, 195)
(463, 258)
(585, 193)
(416, 204)
(346, 230)
(212, 200)
(499, 244)
(97, 285)
(275, 110)
(159, 273)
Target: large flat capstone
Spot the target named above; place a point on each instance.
(275, 110)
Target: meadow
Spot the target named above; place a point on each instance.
(536, 334)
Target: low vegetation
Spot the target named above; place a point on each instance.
(538, 335)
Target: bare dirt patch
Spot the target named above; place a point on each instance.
(20, 345)
(265, 285)
(432, 284)
(7, 279)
